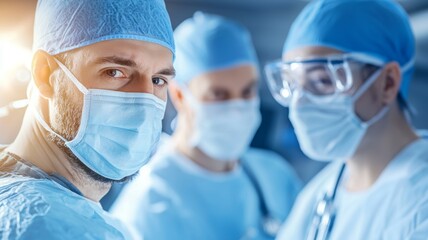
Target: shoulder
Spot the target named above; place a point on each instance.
(318, 185)
(411, 169)
(295, 227)
(148, 204)
(151, 189)
(268, 163)
(262, 154)
(42, 206)
(412, 220)
(407, 183)
(278, 180)
(265, 158)
(159, 179)
(421, 220)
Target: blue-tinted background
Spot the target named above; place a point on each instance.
(268, 22)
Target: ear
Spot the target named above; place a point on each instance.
(42, 67)
(392, 82)
(176, 95)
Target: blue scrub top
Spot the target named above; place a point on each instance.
(173, 198)
(34, 205)
(395, 207)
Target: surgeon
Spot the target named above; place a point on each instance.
(205, 182)
(344, 75)
(100, 72)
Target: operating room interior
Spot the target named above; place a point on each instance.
(268, 22)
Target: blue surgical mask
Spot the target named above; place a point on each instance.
(118, 131)
(224, 130)
(331, 131)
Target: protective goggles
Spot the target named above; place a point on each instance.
(320, 77)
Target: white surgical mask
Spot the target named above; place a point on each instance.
(118, 131)
(331, 131)
(224, 130)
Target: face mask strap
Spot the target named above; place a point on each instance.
(36, 112)
(385, 109)
(363, 89)
(377, 117)
(368, 83)
(44, 124)
(73, 79)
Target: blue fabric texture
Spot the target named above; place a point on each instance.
(207, 42)
(394, 208)
(173, 198)
(35, 206)
(379, 28)
(62, 26)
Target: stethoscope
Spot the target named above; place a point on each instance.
(270, 224)
(325, 212)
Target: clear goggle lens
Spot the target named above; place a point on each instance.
(322, 78)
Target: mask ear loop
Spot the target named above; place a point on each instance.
(37, 114)
(73, 79)
(363, 89)
(367, 84)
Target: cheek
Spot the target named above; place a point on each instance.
(161, 93)
(367, 106)
(66, 111)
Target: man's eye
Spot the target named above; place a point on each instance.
(249, 92)
(220, 95)
(114, 73)
(159, 81)
(321, 86)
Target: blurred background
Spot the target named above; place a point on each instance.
(267, 20)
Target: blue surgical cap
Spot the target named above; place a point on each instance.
(63, 25)
(379, 28)
(207, 43)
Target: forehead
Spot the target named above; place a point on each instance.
(308, 52)
(143, 53)
(234, 78)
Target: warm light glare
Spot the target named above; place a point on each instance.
(19, 104)
(12, 56)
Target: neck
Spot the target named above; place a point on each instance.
(33, 145)
(181, 138)
(381, 144)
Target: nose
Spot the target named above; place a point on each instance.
(236, 97)
(141, 84)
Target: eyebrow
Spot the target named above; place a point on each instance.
(167, 72)
(116, 60)
(130, 63)
(315, 68)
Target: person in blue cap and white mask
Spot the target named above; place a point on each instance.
(205, 182)
(100, 72)
(345, 73)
